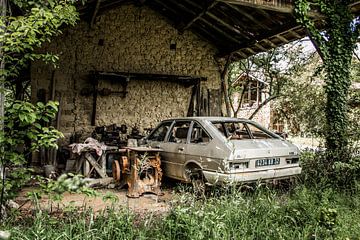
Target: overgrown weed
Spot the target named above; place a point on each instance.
(310, 209)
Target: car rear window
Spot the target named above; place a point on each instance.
(240, 130)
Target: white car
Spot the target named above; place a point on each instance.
(219, 149)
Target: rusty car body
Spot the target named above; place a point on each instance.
(220, 149)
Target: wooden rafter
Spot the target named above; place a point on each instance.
(283, 39)
(227, 25)
(198, 16)
(264, 37)
(216, 28)
(219, 20)
(97, 7)
(248, 16)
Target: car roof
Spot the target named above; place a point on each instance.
(213, 118)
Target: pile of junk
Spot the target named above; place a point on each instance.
(112, 158)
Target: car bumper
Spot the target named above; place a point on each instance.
(271, 174)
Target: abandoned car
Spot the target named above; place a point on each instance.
(220, 149)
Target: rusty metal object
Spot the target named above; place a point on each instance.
(140, 170)
(125, 167)
(145, 175)
(116, 172)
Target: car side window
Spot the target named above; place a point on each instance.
(179, 132)
(160, 132)
(199, 135)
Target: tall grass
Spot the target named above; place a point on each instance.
(263, 213)
(314, 209)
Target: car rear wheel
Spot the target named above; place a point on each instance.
(198, 182)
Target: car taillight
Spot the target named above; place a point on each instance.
(292, 160)
(240, 165)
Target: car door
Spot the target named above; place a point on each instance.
(173, 156)
(157, 137)
(199, 149)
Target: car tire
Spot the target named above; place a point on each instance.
(198, 183)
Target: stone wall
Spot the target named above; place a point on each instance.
(125, 39)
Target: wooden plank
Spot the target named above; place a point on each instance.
(93, 162)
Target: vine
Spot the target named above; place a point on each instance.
(335, 45)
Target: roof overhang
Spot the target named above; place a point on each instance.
(237, 28)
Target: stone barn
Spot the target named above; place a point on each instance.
(138, 62)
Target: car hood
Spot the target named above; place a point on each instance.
(260, 148)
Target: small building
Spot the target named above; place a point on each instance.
(250, 95)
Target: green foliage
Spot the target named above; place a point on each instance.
(28, 127)
(335, 46)
(22, 35)
(302, 105)
(275, 68)
(25, 123)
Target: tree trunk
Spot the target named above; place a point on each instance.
(225, 87)
(269, 99)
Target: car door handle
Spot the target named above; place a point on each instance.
(157, 146)
(181, 149)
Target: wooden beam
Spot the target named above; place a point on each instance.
(272, 5)
(219, 30)
(271, 44)
(222, 22)
(227, 25)
(281, 6)
(228, 36)
(250, 51)
(295, 34)
(264, 37)
(203, 12)
(97, 7)
(283, 39)
(258, 45)
(247, 15)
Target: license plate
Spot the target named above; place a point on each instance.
(267, 162)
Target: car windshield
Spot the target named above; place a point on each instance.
(236, 130)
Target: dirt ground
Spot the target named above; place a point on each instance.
(146, 203)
